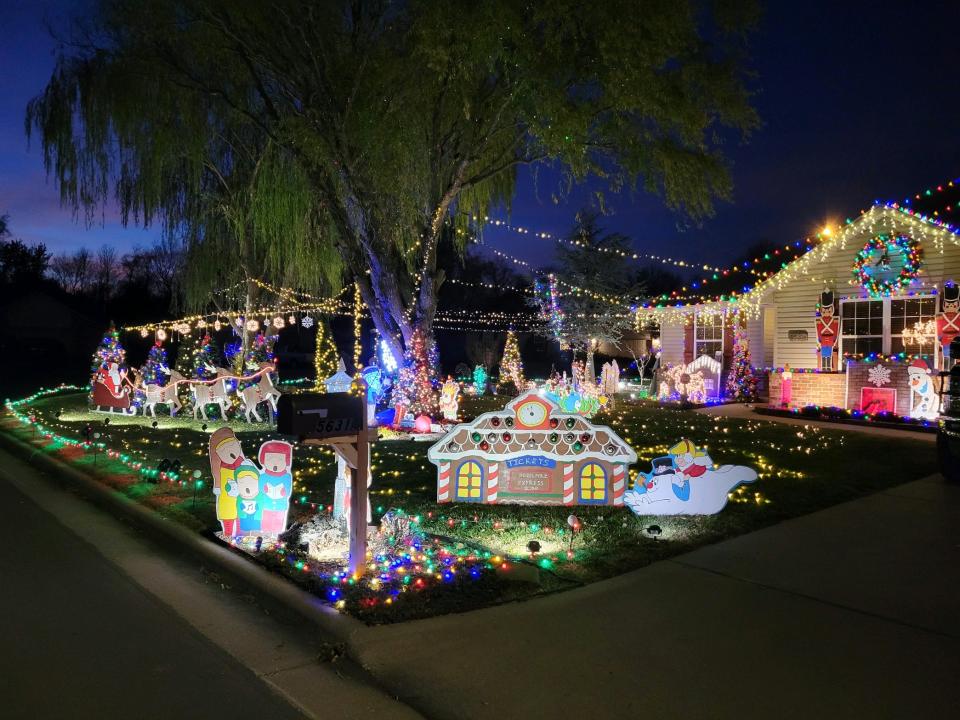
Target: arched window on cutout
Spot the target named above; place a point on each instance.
(470, 482)
(593, 484)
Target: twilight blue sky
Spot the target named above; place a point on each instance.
(859, 101)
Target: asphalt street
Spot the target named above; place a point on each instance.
(78, 639)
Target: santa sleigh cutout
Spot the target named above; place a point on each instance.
(112, 391)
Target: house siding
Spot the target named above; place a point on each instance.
(671, 343)
(795, 304)
(784, 330)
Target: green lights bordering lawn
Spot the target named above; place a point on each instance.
(801, 469)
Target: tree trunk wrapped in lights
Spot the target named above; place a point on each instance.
(415, 382)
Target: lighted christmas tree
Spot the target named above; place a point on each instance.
(511, 366)
(193, 358)
(260, 351)
(415, 383)
(153, 368)
(741, 382)
(109, 351)
(325, 356)
(479, 380)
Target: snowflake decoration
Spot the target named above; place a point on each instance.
(879, 375)
(307, 322)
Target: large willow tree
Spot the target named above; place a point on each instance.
(386, 125)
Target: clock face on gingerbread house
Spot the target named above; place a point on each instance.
(532, 413)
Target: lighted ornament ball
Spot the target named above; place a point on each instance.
(574, 522)
(422, 424)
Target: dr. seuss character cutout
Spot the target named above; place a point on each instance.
(532, 453)
(828, 329)
(685, 482)
(948, 320)
(250, 500)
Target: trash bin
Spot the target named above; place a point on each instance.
(948, 428)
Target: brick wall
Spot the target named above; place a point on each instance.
(839, 390)
(823, 389)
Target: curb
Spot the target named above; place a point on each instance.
(269, 586)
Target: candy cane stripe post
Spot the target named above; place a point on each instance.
(493, 481)
(443, 486)
(568, 493)
(619, 483)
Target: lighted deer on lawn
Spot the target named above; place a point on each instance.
(211, 392)
(263, 391)
(161, 394)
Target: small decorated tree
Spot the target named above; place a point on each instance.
(109, 353)
(479, 380)
(260, 351)
(415, 382)
(194, 360)
(325, 355)
(511, 366)
(741, 381)
(109, 350)
(152, 370)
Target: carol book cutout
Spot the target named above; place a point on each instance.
(251, 500)
(532, 453)
(685, 482)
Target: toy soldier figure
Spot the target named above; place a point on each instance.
(828, 329)
(948, 320)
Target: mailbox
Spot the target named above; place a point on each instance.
(314, 416)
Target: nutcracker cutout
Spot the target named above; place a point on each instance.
(828, 329)
(948, 320)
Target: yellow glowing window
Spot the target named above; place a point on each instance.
(593, 483)
(469, 481)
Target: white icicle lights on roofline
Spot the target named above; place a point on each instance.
(878, 219)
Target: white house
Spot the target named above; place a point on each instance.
(886, 272)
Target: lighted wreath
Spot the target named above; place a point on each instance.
(877, 255)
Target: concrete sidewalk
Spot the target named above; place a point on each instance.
(744, 411)
(853, 611)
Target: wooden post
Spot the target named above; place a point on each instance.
(358, 501)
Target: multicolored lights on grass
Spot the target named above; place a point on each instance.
(140, 466)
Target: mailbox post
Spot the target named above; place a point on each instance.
(338, 420)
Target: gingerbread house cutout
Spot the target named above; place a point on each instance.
(532, 453)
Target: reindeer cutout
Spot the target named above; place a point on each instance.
(161, 394)
(263, 391)
(211, 392)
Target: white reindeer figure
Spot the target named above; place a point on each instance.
(211, 392)
(161, 394)
(263, 391)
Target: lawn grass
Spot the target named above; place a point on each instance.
(801, 469)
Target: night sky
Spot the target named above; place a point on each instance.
(858, 100)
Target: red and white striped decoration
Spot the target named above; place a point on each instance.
(493, 481)
(619, 483)
(443, 485)
(568, 493)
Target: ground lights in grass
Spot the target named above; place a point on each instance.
(472, 538)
